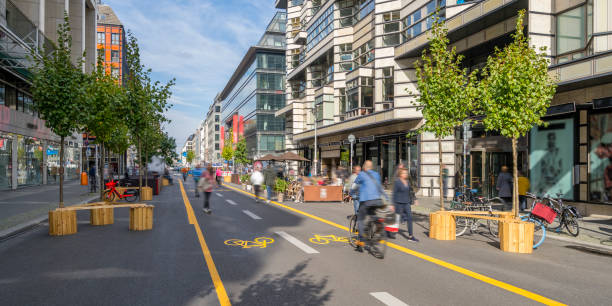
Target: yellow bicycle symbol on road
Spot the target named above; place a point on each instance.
(318, 239)
(260, 242)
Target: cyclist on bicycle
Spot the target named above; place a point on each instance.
(353, 192)
(370, 197)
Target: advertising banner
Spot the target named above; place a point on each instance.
(235, 128)
(222, 140)
(551, 159)
(241, 126)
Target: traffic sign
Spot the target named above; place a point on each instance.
(351, 138)
(185, 154)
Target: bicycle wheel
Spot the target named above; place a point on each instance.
(461, 225)
(353, 230)
(377, 248)
(132, 196)
(539, 231)
(571, 224)
(493, 227)
(109, 196)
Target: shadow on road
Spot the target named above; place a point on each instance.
(292, 288)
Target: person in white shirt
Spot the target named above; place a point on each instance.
(257, 179)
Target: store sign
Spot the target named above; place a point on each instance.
(551, 159)
(52, 152)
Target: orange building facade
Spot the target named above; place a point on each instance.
(111, 42)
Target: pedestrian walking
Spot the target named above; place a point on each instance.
(269, 180)
(257, 179)
(197, 172)
(92, 179)
(403, 198)
(218, 176)
(184, 170)
(353, 190)
(206, 185)
(523, 188)
(504, 187)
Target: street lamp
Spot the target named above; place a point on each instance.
(315, 142)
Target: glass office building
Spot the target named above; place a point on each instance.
(256, 90)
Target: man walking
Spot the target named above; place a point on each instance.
(197, 172)
(504, 187)
(257, 179)
(269, 180)
(92, 179)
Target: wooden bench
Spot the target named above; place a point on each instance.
(514, 235)
(62, 221)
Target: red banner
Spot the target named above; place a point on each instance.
(235, 128)
(241, 126)
(222, 138)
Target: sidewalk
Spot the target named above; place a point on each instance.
(26, 207)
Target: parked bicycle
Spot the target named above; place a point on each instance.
(111, 193)
(462, 224)
(545, 210)
(567, 216)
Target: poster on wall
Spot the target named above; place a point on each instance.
(551, 159)
(600, 157)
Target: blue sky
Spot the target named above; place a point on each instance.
(198, 42)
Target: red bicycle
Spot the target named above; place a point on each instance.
(112, 193)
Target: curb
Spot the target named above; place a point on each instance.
(24, 227)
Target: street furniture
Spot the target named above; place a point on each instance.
(84, 181)
(63, 221)
(323, 193)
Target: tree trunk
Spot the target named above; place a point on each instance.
(515, 209)
(101, 172)
(139, 170)
(441, 170)
(61, 173)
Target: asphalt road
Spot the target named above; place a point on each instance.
(190, 259)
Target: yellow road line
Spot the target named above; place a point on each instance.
(214, 274)
(450, 266)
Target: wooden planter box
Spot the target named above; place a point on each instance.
(442, 226)
(141, 218)
(147, 194)
(165, 182)
(516, 236)
(62, 222)
(102, 216)
(322, 193)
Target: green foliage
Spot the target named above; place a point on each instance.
(245, 178)
(516, 89)
(446, 91)
(344, 156)
(228, 152)
(241, 154)
(167, 149)
(190, 156)
(280, 185)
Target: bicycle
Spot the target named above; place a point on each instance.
(111, 193)
(566, 214)
(374, 230)
(539, 215)
(462, 224)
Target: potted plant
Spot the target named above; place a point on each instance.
(280, 187)
(245, 180)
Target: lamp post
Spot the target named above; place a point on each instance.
(314, 162)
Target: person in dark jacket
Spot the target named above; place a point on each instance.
(403, 198)
(269, 180)
(504, 187)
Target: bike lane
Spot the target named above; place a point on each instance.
(339, 275)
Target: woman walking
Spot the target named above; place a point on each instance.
(207, 183)
(403, 198)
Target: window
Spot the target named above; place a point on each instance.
(367, 92)
(115, 56)
(296, 2)
(270, 81)
(2, 94)
(217, 109)
(572, 30)
(365, 8)
(342, 101)
(316, 76)
(345, 52)
(101, 37)
(320, 28)
(270, 101)
(271, 61)
(217, 145)
(347, 12)
(360, 95)
(391, 29)
(115, 72)
(271, 142)
(216, 118)
(216, 127)
(298, 89)
(115, 38)
(217, 137)
(364, 54)
(422, 19)
(269, 122)
(20, 101)
(387, 82)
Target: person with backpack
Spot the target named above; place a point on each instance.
(206, 185)
(197, 172)
(370, 197)
(257, 180)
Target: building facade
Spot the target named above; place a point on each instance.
(29, 152)
(254, 92)
(212, 145)
(110, 39)
(351, 69)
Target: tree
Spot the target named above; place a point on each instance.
(59, 91)
(167, 149)
(240, 154)
(446, 91)
(515, 92)
(228, 148)
(190, 156)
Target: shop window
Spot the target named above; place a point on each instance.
(391, 29)
(551, 159)
(387, 82)
(408, 148)
(600, 158)
(6, 161)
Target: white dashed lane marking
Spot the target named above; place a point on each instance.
(387, 299)
(300, 245)
(218, 194)
(252, 215)
(231, 202)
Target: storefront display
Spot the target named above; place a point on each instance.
(6, 153)
(551, 159)
(600, 157)
(53, 162)
(29, 161)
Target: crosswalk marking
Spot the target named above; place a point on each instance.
(300, 245)
(231, 202)
(387, 299)
(218, 194)
(252, 215)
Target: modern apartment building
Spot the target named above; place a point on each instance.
(351, 67)
(29, 152)
(188, 146)
(110, 39)
(212, 146)
(255, 91)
